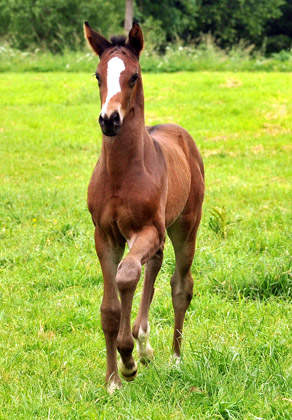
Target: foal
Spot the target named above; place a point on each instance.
(146, 180)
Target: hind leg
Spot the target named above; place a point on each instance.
(183, 237)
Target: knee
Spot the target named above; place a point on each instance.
(110, 318)
(128, 274)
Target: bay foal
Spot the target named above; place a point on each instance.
(146, 181)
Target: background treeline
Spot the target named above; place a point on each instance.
(57, 24)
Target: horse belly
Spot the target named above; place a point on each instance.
(178, 177)
(179, 153)
(179, 184)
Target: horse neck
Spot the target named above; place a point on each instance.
(122, 152)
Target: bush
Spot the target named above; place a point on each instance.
(154, 35)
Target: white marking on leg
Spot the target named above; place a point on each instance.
(115, 67)
(175, 360)
(145, 351)
(112, 386)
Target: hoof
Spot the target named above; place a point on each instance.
(175, 361)
(113, 385)
(130, 377)
(128, 374)
(146, 357)
(145, 361)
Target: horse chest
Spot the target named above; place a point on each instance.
(116, 214)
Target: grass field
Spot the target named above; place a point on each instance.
(237, 351)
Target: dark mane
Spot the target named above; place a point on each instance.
(118, 41)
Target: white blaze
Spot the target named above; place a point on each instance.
(115, 66)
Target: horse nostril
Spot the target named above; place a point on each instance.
(110, 126)
(116, 119)
(101, 120)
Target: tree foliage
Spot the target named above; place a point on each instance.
(279, 31)
(57, 24)
(230, 21)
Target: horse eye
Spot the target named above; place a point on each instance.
(133, 79)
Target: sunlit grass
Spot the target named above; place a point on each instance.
(237, 351)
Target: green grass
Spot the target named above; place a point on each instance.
(237, 350)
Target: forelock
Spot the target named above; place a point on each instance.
(118, 41)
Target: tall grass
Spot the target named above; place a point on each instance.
(206, 56)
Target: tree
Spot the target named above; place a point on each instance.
(129, 14)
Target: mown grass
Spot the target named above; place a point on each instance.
(237, 351)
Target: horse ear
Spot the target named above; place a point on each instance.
(136, 41)
(96, 41)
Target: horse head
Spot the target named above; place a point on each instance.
(118, 75)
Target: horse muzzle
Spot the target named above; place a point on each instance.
(110, 126)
